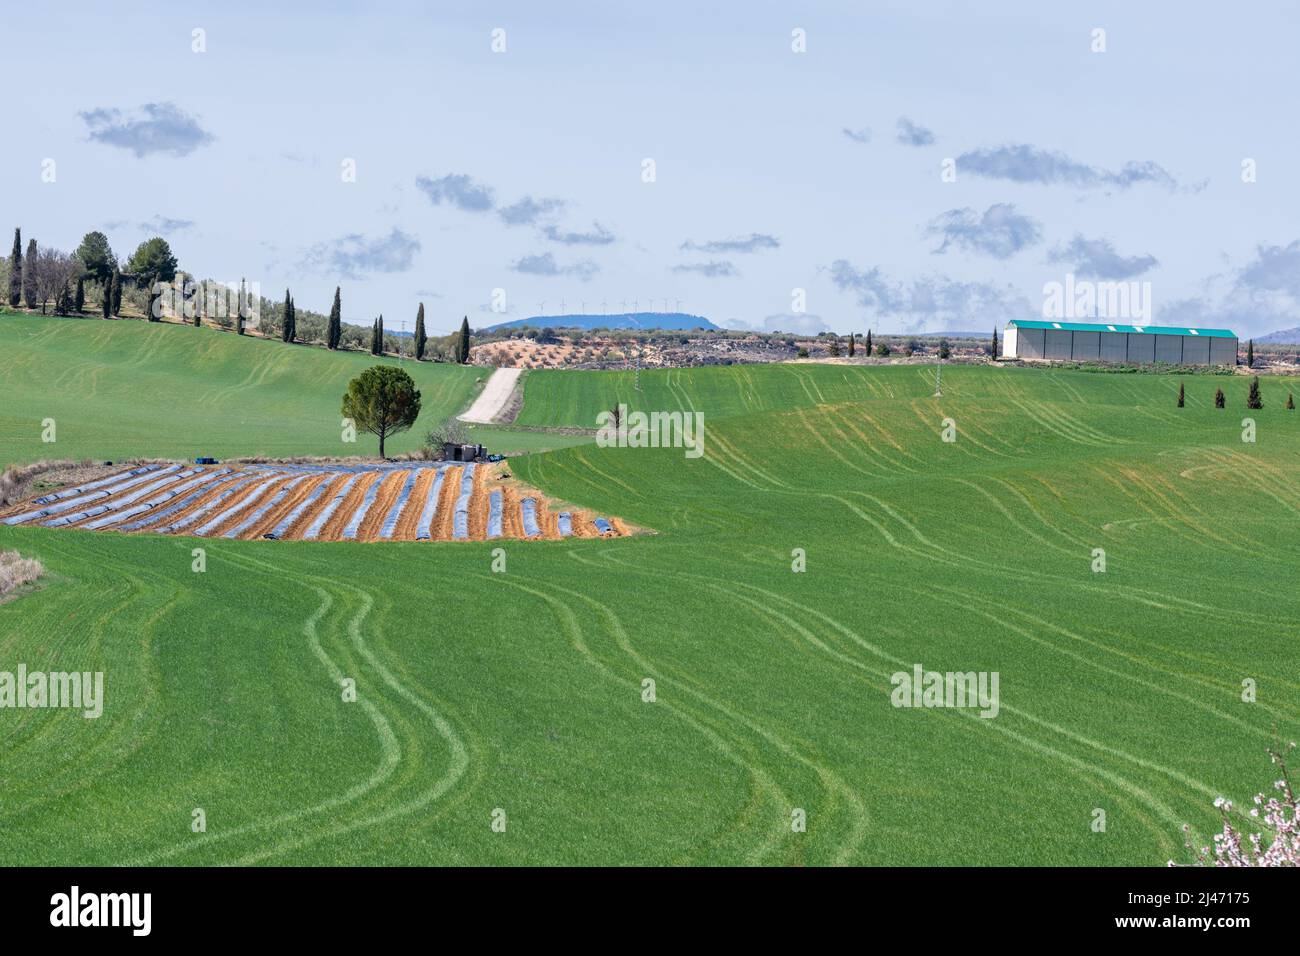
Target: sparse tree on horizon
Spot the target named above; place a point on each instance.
(334, 332)
(96, 256)
(287, 332)
(151, 263)
(1253, 398)
(16, 270)
(462, 342)
(29, 275)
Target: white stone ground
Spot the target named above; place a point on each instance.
(494, 397)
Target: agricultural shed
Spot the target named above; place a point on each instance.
(451, 451)
(1046, 340)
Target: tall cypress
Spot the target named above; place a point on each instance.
(868, 343)
(286, 332)
(293, 308)
(117, 292)
(106, 306)
(377, 337)
(420, 338)
(995, 342)
(1180, 395)
(851, 337)
(29, 275)
(79, 298)
(335, 330)
(1250, 353)
(16, 270)
(462, 342)
(1254, 400)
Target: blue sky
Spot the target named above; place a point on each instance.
(775, 170)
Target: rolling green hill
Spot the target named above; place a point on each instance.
(558, 398)
(119, 389)
(523, 691)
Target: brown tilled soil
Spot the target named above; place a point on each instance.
(304, 520)
(276, 514)
(235, 509)
(487, 478)
(512, 525)
(410, 516)
(114, 499)
(479, 505)
(442, 519)
(19, 482)
(209, 492)
(380, 507)
(333, 529)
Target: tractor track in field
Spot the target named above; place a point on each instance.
(832, 783)
(765, 787)
(392, 752)
(809, 614)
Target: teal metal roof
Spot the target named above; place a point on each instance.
(1116, 327)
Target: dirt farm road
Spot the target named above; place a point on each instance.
(494, 397)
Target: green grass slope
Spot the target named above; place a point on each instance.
(125, 388)
(559, 398)
(522, 691)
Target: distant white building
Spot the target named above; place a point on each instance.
(1046, 340)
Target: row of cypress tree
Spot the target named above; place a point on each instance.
(1253, 397)
(24, 286)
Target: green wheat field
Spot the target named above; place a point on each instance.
(521, 693)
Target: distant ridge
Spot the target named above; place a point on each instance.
(1281, 337)
(615, 320)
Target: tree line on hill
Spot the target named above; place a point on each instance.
(90, 280)
(1254, 400)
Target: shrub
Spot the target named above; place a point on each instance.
(1181, 397)
(1254, 399)
(15, 571)
(883, 350)
(1218, 398)
(803, 352)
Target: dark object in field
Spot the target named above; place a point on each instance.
(452, 451)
